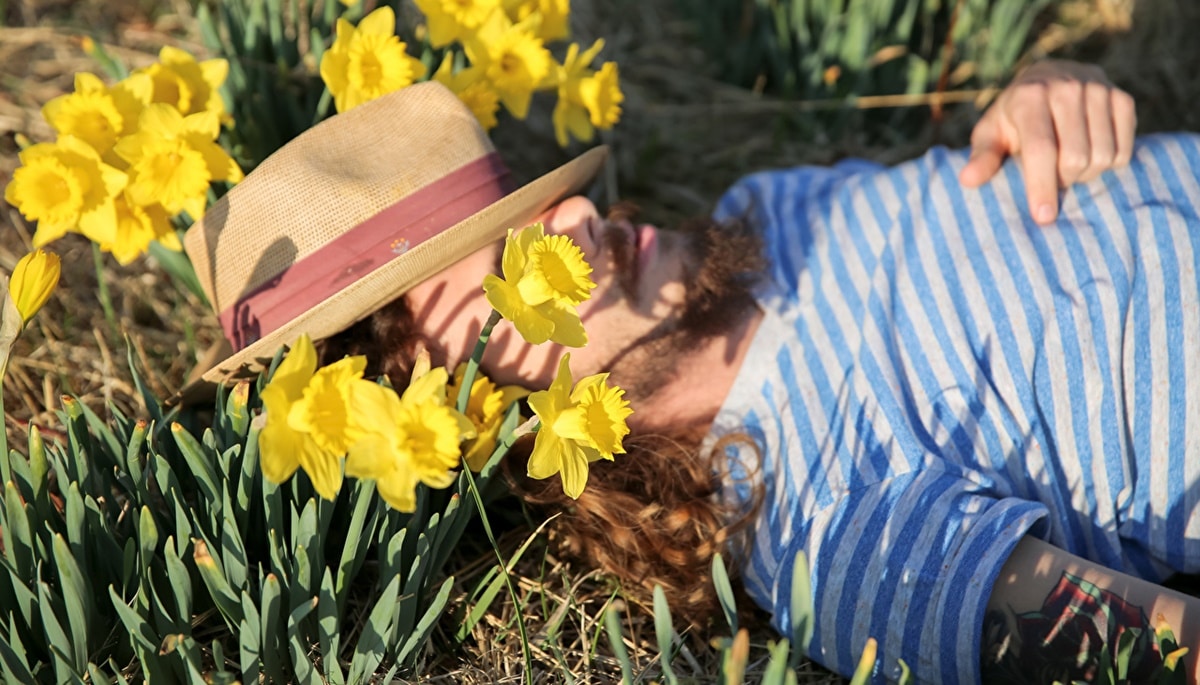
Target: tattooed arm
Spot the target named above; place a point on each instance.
(1051, 614)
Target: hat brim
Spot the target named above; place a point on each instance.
(371, 292)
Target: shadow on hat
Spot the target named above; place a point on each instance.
(350, 215)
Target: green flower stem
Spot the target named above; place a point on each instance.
(102, 290)
(464, 395)
(504, 446)
(464, 391)
(5, 470)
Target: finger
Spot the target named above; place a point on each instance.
(1068, 109)
(1124, 118)
(1100, 129)
(983, 165)
(1037, 143)
(987, 152)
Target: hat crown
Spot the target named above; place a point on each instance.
(328, 180)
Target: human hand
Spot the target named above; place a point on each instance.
(1066, 121)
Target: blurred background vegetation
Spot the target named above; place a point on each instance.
(714, 89)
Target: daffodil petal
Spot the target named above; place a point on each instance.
(324, 469)
(544, 460)
(567, 328)
(380, 22)
(430, 387)
(371, 457)
(574, 472)
(297, 368)
(399, 490)
(278, 446)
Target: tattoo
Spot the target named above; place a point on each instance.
(1082, 633)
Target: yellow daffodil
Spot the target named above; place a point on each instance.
(137, 227)
(471, 86)
(187, 85)
(173, 159)
(451, 20)
(570, 113)
(545, 278)
(367, 62)
(602, 96)
(486, 406)
(309, 421)
(514, 59)
(415, 438)
(554, 15)
(578, 427)
(32, 282)
(64, 186)
(89, 113)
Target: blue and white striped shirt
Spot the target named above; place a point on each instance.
(936, 376)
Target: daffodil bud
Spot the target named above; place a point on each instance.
(33, 281)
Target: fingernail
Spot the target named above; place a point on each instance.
(1045, 214)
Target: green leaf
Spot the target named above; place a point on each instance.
(372, 644)
(250, 643)
(328, 632)
(181, 582)
(153, 406)
(77, 600)
(493, 583)
(56, 636)
(199, 461)
(866, 664)
(272, 629)
(421, 632)
(306, 540)
(147, 538)
(39, 469)
(74, 511)
(724, 588)
(664, 630)
(247, 482)
(219, 589)
(802, 613)
(359, 534)
(612, 623)
(134, 452)
(777, 667)
(233, 550)
(18, 534)
(298, 645)
(13, 665)
(735, 657)
(25, 600)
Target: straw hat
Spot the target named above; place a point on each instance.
(353, 213)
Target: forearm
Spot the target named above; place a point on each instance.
(1049, 600)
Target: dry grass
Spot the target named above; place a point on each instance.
(684, 138)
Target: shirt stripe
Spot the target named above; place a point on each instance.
(937, 376)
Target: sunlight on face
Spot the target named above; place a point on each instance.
(638, 272)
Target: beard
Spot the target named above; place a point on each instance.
(722, 265)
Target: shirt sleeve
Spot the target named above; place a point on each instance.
(909, 561)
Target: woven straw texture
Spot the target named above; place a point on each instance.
(339, 174)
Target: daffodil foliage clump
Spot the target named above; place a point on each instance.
(175, 549)
(493, 53)
(136, 550)
(291, 66)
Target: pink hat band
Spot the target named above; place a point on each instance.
(366, 247)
